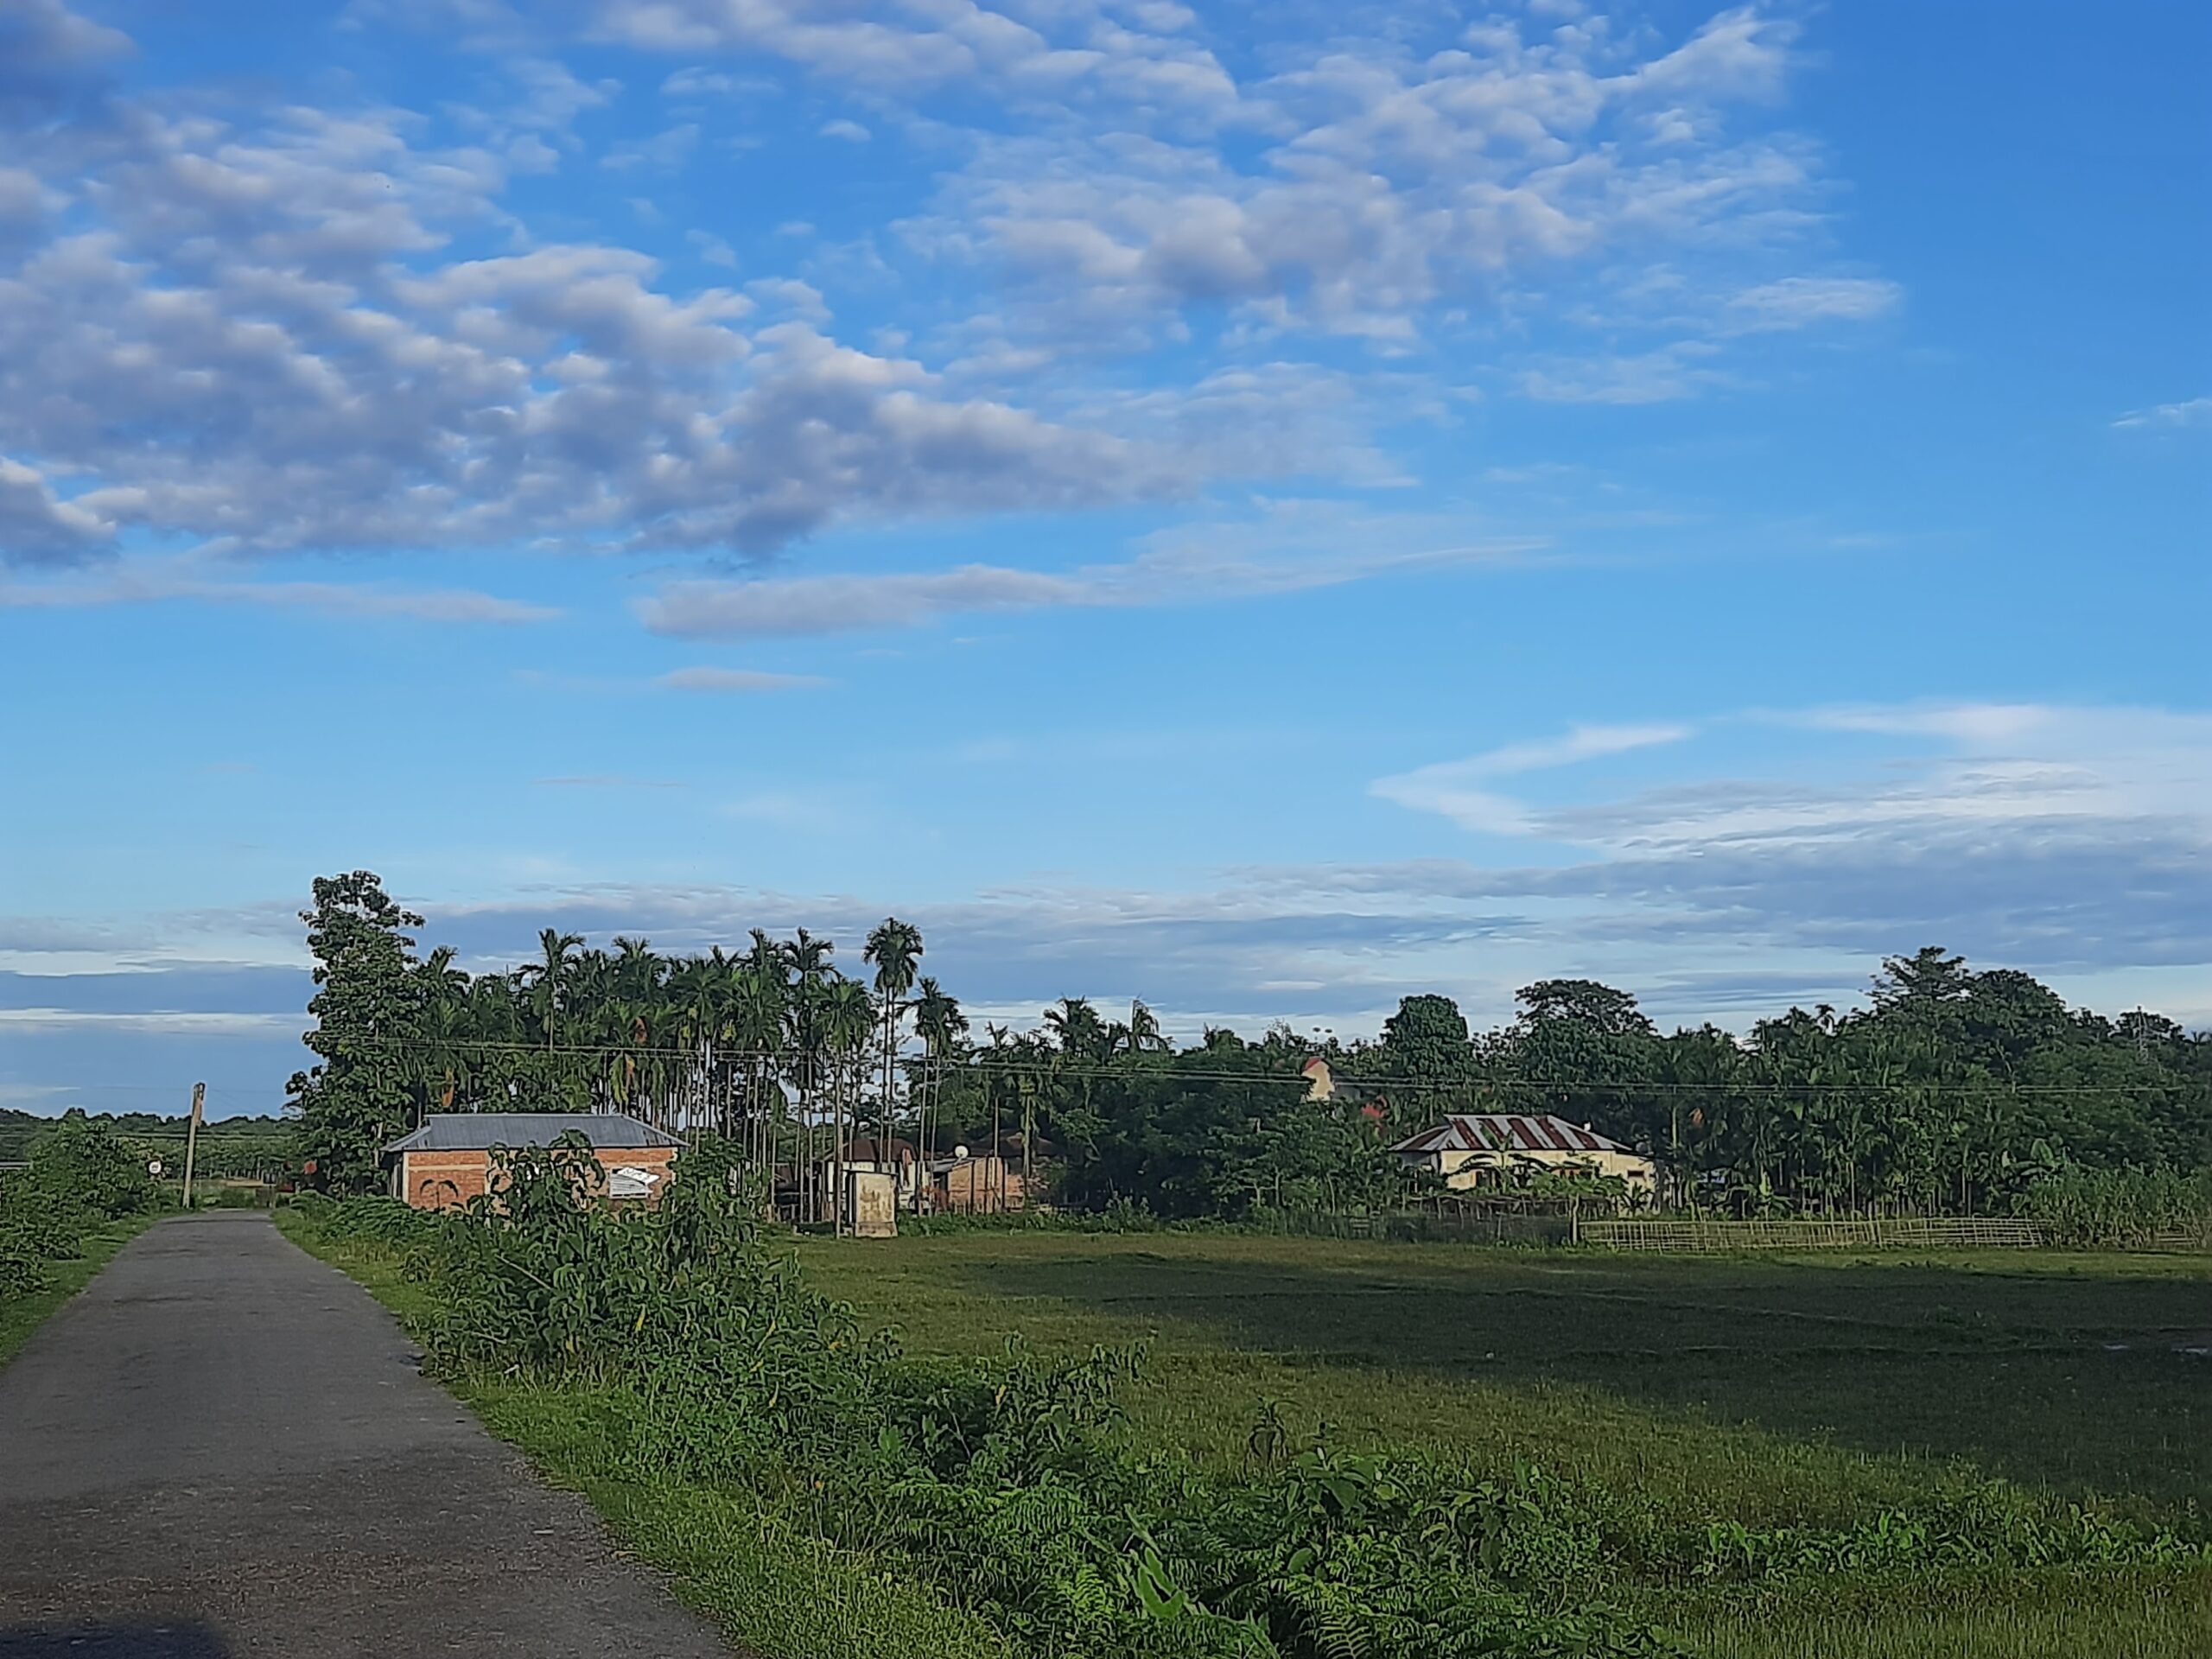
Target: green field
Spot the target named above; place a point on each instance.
(1814, 1392)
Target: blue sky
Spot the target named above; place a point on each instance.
(1263, 508)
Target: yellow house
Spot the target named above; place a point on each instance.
(1468, 1146)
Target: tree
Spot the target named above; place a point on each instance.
(548, 978)
(845, 1022)
(895, 949)
(807, 959)
(1425, 1050)
(1957, 1089)
(939, 1023)
(1585, 1003)
(366, 1009)
(1931, 975)
(445, 1061)
(1142, 1034)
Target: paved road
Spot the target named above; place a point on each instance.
(223, 1448)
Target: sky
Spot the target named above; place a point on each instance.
(1264, 508)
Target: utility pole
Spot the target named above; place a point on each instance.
(192, 1138)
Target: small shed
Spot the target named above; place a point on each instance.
(448, 1160)
(1468, 1147)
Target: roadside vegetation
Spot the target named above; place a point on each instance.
(1071, 1444)
(84, 1193)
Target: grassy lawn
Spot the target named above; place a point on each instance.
(1812, 1391)
(20, 1315)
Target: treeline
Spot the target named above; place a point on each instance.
(248, 1148)
(1953, 1090)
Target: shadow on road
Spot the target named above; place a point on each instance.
(141, 1640)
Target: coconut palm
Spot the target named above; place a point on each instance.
(1142, 1034)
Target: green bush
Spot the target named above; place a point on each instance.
(86, 1166)
(2120, 1208)
(81, 1178)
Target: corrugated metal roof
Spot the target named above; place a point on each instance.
(481, 1131)
(1507, 1131)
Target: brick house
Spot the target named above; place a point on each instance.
(448, 1160)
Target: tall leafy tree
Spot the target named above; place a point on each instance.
(366, 1009)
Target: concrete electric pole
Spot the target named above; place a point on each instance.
(192, 1138)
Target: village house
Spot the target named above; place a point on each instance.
(1471, 1149)
(979, 1184)
(447, 1161)
(962, 1183)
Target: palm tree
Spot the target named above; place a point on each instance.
(846, 1021)
(808, 959)
(758, 1005)
(548, 979)
(895, 947)
(940, 1024)
(444, 991)
(1076, 1029)
(1142, 1034)
(1084, 1042)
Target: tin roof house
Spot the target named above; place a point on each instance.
(1469, 1149)
(448, 1159)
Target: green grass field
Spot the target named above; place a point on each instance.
(1814, 1391)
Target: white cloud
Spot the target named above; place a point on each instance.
(177, 1025)
(1801, 301)
(50, 57)
(2024, 770)
(1395, 181)
(1653, 377)
(741, 680)
(152, 582)
(663, 152)
(286, 328)
(1188, 567)
(2196, 411)
(1028, 55)
(263, 346)
(698, 82)
(38, 528)
(1452, 788)
(851, 132)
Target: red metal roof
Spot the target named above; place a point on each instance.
(1508, 1132)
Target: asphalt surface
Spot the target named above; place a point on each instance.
(223, 1447)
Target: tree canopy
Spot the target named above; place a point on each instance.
(1954, 1089)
